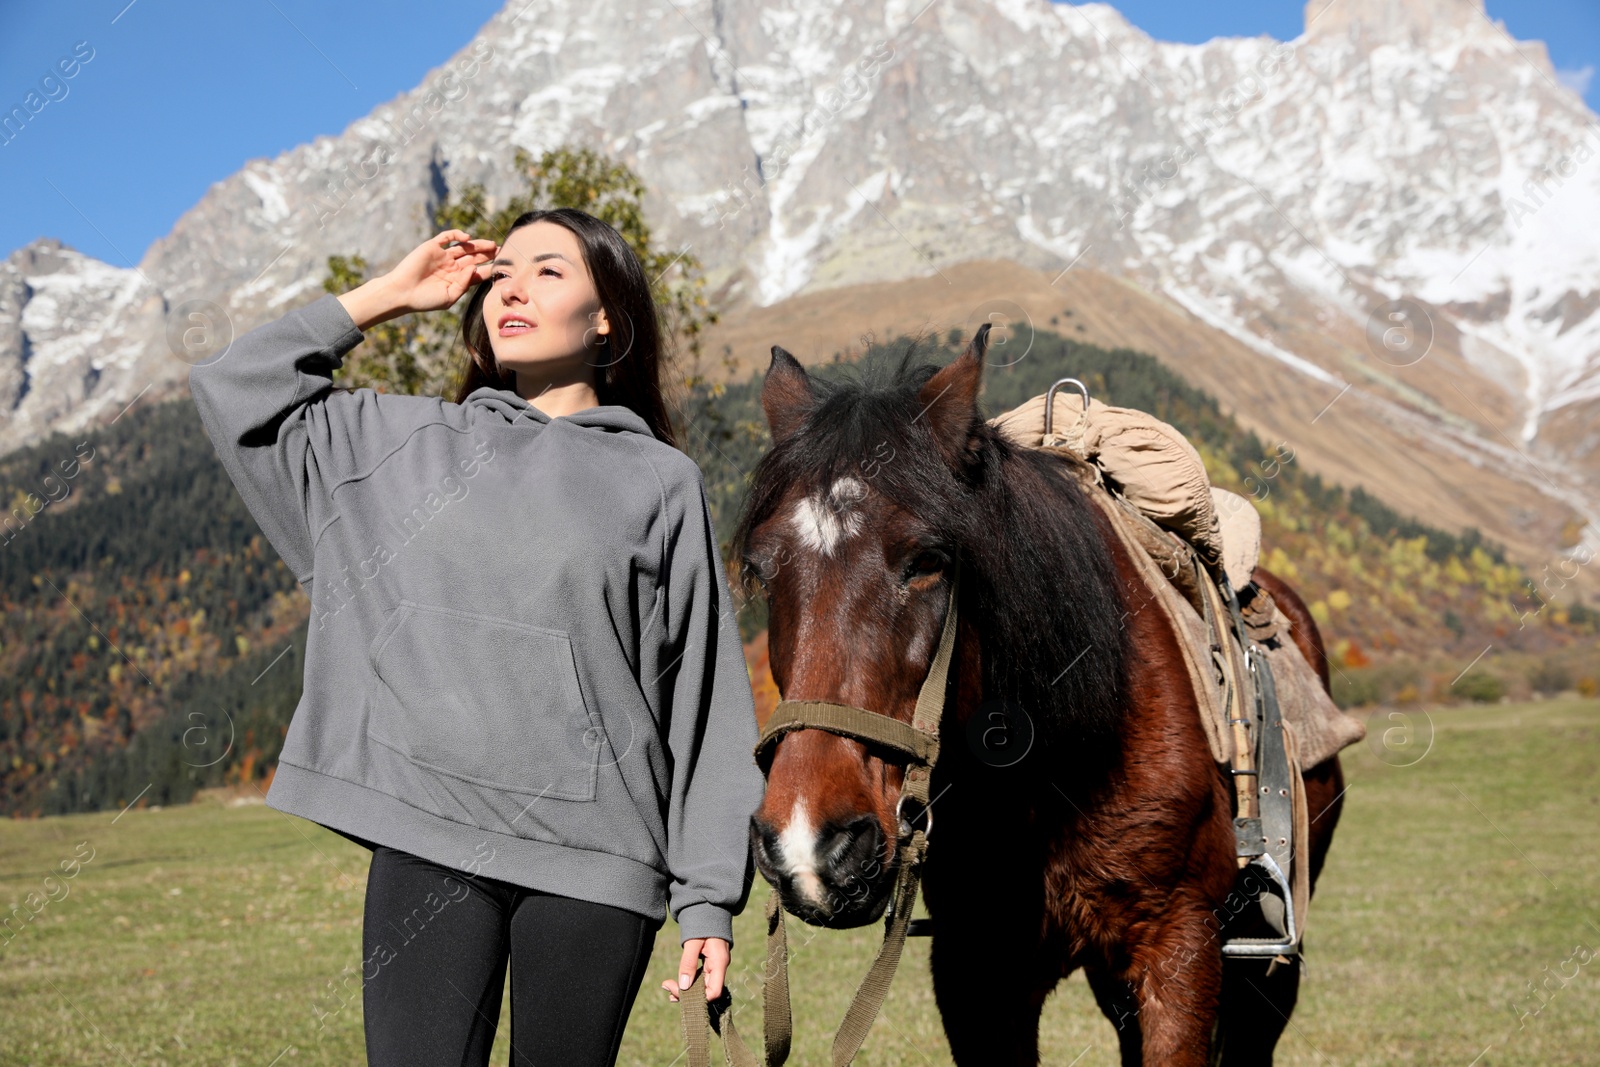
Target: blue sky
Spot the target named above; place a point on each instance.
(180, 93)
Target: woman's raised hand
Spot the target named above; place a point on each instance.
(436, 273)
(432, 276)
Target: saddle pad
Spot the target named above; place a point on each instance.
(1319, 727)
(1205, 678)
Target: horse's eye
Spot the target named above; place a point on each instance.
(924, 563)
(757, 570)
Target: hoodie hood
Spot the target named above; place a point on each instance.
(511, 407)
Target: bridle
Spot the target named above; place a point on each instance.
(918, 742)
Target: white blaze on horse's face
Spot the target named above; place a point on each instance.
(824, 520)
(797, 854)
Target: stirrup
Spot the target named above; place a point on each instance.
(1267, 946)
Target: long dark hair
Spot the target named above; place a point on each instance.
(633, 352)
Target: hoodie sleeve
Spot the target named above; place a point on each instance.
(284, 434)
(710, 721)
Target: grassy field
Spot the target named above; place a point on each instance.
(1457, 882)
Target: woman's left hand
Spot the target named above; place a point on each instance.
(717, 953)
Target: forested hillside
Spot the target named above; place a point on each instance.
(150, 637)
(140, 611)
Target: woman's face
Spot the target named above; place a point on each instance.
(541, 310)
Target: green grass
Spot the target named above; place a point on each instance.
(205, 934)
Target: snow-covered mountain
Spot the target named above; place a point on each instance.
(1284, 193)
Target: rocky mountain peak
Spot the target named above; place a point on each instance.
(1373, 22)
(1277, 192)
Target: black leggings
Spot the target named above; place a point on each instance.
(438, 941)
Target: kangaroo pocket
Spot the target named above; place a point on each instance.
(487, 700)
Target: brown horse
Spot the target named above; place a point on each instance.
(1080, 818)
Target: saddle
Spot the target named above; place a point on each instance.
(1265, 713)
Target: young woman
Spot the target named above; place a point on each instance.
(524, 687)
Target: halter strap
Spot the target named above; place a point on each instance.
(918, 740)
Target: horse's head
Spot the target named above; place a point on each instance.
(853, 527)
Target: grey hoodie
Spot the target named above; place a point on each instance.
(523, 660)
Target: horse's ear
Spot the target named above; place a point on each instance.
(950, 403)
(786, 394)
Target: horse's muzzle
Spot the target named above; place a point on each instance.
(839, 883)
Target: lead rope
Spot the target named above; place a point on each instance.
(874, 988)
(697, 1021)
